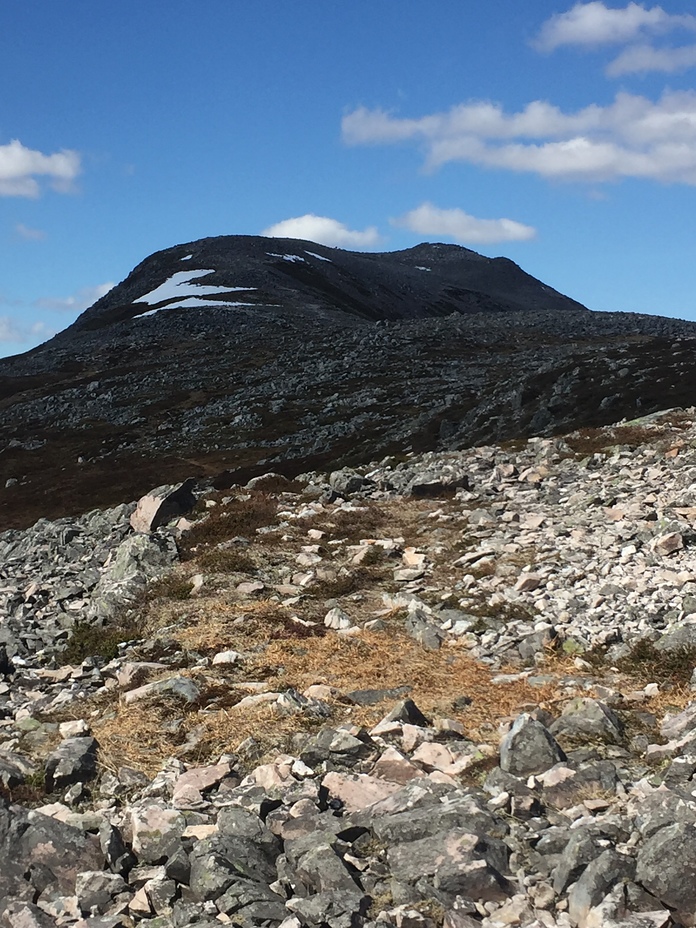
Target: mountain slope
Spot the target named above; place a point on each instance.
(231, 356)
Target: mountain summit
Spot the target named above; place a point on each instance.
(247, 272)
(227, 357)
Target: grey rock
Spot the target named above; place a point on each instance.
(602, 874)
(217, 862)
(529, 748)
(588, 719)
(346, 482)
(421, 626)
(582, 848)
(336, 909)
(156, 832)
(407, 711)
(73, 761)
(25, 915)
(251, 903)
(571, 781)
(14, 768)
(456, 861)
(666, 866)
(96, 889)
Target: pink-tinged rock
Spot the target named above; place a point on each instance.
(203, 778)
(386, 727)
(256, 699)
(413, 735)
(676, 724)
(668, 544)
(528, 582)
(179, 687)
(161, 506)
(133, 673)
(358, 791)
(394, 767)
(199, 832)
(413, 558)
(140, 904)
(433, 756)
(188, 799)
(449, 726)
(249, 587)
(270, 776)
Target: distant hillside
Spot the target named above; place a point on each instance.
(227, 357)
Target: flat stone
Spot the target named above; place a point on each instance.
(358, 791)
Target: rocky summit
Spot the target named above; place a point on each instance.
(348, 591)
(228, 357)
(446, 689)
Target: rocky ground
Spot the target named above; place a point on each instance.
(443, 689)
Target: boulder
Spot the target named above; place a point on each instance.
(529, 748)
(162, 505)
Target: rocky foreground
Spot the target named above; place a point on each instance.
(448, 689)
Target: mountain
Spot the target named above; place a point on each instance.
(226, 357)
(428, 280)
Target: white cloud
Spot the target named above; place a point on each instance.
(427, 219)
(77, 301)
(10, 331)
(324, 230)
(14, 332)
(639, 59)
(29, 234)
(631, 137)
(593, 24)
(20, 167)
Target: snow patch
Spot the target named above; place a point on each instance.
(179, 286)
(321, 257)
(186, 258)
(286, 257)
(418, 268)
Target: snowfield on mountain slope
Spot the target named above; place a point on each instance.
(179, 286)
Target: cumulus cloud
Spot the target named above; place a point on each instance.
(29, 234)
(631, 137)
(77, 301)
(590, 25)
(428, 219)
(20, 167)
(639, 59)
(324, 230)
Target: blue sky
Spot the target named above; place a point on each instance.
(560, 135)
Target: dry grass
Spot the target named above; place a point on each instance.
(285, 653)
(376, 660)
(238, 517)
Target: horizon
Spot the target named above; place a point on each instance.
(562, 138)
